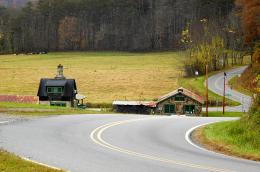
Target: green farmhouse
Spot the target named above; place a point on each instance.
(58, 91)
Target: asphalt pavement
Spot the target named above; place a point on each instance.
(216, 85)
(116, 143)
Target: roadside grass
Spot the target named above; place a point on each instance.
(235, 138)
(197, 85)
(226, 114)
(11, 163)
(26, 105)
(235, 84)
(101, 76)
(43, 110)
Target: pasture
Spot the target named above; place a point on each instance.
(101, 76)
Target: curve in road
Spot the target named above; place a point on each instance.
(216, 85)
(129, 143)
(96, 136)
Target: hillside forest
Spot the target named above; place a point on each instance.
(130, 25)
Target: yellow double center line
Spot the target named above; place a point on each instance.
(96, 136)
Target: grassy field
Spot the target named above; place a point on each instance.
(12, 163)
(101, 76)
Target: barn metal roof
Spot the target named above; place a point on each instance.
(134, 103)
(183, 91)
(55, 82)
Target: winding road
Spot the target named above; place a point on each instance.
(117, 143)
(216, 85)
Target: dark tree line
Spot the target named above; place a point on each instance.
(132, 25)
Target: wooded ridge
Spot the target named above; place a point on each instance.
(132, 25)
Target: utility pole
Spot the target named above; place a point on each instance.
(207, 94)
(224, 93)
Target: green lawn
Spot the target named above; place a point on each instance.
(12, 163)
(101, 76)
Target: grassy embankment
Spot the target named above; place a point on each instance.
(12, 163)
(238, 138)
(236, 84)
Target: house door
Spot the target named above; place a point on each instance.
(189, 109)
(168, 108)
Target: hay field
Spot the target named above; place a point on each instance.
(101, 76)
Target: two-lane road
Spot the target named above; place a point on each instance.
(216, 85)
(116, 143)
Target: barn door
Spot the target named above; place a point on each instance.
(168, 108)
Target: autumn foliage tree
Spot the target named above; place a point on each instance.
(250, 15)
(250, 19)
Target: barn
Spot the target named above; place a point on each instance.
(58, 91)
(180, 101)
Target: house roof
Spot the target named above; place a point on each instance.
(183, 91)
(68, 84)
(134, 103)
(55, 82)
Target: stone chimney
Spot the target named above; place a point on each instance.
(60, 72)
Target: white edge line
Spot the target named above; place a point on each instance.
(35, 162)
(188, 139)
(4, 122)
(42, 164)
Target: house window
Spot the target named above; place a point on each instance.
(169, 108)
(179, 98)
(55, 90)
